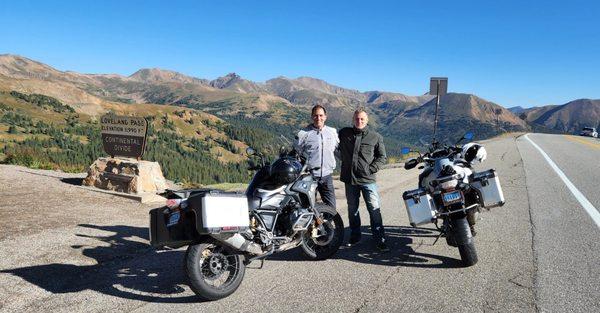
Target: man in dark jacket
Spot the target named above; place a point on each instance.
(363, 154)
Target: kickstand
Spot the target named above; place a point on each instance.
(437, 238)
(262, 263)
(442, 232)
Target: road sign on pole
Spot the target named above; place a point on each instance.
(438, 86)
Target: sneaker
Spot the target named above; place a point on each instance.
(352, 242)
(382, 246)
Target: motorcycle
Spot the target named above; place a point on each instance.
(226, 231)
(451, 192)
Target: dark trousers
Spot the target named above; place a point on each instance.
(325, 189)
(369, 192)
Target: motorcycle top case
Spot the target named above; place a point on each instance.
(488, 184)
(419, 206)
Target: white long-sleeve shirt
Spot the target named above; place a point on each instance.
(318, 146)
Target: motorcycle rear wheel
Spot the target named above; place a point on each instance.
(325, 246)
(465, 242)
(213, 271)
(468, 254)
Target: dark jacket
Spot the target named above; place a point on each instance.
(362, 154)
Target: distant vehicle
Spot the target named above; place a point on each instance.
(589, 131)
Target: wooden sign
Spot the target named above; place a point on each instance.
(123, 135)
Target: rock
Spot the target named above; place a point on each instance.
(126, 175)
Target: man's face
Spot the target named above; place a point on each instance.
(319, 118)
(360, 120)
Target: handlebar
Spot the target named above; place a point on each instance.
(430, 157)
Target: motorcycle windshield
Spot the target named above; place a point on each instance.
(258, 180)
(440, 164)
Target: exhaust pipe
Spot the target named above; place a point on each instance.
(238, 242)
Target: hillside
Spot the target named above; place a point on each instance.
(215, 119)
(192, 147)
(458, 113)
(570, 117)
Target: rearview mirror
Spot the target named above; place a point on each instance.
(250, 151)
(405, 150)
(282, 151)
(468, 135)
(410, 164)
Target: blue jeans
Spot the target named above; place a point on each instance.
(369, 192)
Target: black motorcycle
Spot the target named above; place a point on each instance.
(226, 231)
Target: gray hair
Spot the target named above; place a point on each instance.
(359, 110)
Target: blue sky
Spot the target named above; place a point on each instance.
(510, 52)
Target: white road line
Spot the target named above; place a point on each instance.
(587, 205)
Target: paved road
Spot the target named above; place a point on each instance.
(92, 255)
(566, 246)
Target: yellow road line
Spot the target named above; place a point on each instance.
(595, 145)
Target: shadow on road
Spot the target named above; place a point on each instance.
(127, 268)
(400, 241)
(76, 181)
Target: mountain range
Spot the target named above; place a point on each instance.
(276, 107)
(232, 94)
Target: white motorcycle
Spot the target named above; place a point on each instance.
(450, 192)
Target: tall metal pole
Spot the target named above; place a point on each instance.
(439, 87)
(437, 104)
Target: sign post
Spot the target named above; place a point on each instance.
(438, 86)
(123, 135)
(498, 112)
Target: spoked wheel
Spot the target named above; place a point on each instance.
(320, 242)
(213, 271)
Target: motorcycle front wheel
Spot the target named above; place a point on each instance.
(213, 271)
(329, 237)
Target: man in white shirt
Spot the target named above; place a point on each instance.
(318, 142)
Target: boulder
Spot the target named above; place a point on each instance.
(126, 175)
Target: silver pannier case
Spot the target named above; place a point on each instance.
(220, 211)
(419, 206)
(488, 184)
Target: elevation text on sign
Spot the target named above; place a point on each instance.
(123, 135)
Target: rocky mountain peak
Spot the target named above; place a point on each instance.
(157, 75)
(225, 81)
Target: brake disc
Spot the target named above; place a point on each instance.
(217, 263)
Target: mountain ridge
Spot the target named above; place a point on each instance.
(231, 95)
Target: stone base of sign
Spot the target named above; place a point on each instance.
(126, 175)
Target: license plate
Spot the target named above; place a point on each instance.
(451, 197)
(173, 218)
